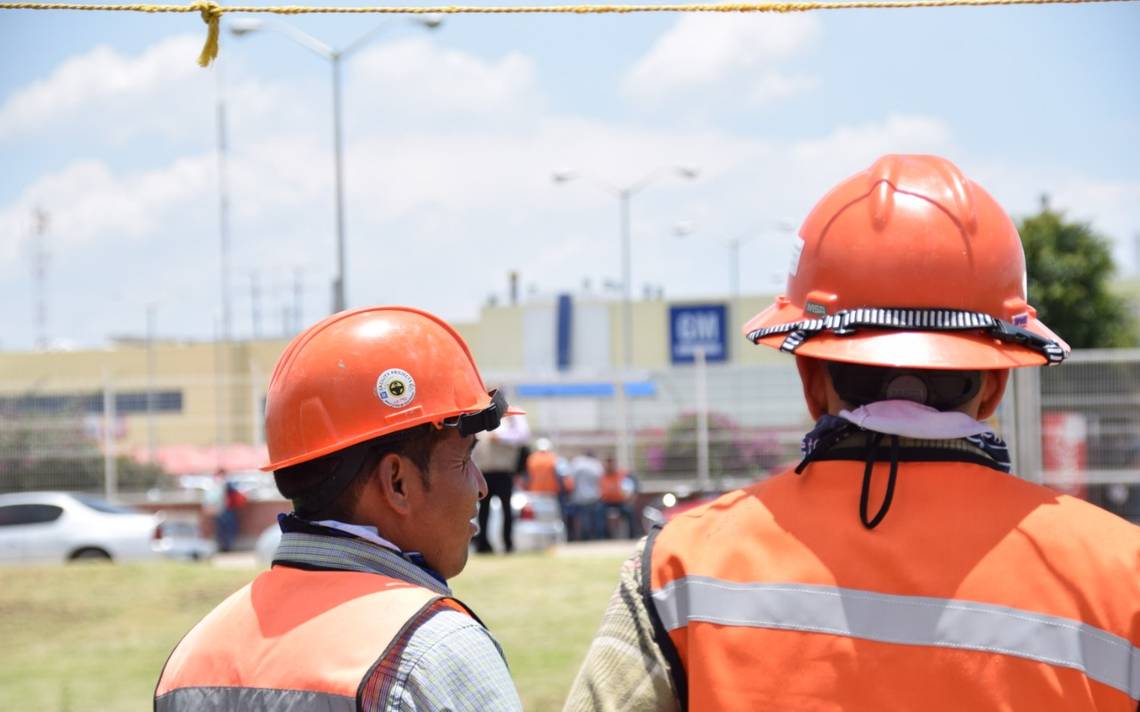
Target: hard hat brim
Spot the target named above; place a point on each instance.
(381, 429)
(951, 350)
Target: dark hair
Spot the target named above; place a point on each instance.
(860, 384)
(328, 486)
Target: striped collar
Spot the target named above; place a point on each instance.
(306, 545)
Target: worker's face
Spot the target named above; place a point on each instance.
(445, 509)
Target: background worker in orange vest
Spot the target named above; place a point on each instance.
(616, 488)
(899, 566)
(370, 421)
(542, 469)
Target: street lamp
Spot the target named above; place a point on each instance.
(624, 194)
(245, 26)
(684, 229)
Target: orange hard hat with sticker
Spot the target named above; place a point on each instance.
(369, 372)
(908, 264)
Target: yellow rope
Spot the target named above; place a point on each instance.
(212, 13)
(212, 16)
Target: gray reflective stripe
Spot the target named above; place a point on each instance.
(237, 699)
(908, 620)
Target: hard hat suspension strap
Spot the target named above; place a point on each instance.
(485, 420)
(848, 321)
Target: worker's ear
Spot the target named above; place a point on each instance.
(813, 376)
(993, 388)
(393, 475)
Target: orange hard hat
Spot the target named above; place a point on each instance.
(908, 264)
(368, 372)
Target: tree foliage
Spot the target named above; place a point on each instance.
(733, 451)
(1069, 267)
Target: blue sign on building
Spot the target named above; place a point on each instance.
(698, 326)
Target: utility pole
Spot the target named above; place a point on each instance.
(39, 274)
(298, 295)
(255, 304)
(223, 213)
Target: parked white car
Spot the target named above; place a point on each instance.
(182, 539)
(537, 526)
(50, 527)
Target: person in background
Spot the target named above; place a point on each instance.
(900, 565)
(501, 455)
(370, 420)
(586, 470)
(615, 489)
(542, 469)
(235, 501)
(215, 508)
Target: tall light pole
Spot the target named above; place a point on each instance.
(245, 26)
(783, 225)
(624, 194)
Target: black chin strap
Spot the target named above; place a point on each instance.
(848, 321)
(873, 439)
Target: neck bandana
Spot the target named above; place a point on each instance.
(906, 419)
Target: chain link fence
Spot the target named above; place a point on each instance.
(710, 426)
(124, 435)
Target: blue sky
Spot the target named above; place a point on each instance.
(107, 123)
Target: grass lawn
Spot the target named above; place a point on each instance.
(94, 637)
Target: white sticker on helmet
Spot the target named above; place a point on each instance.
(396, 388)
(797, 250)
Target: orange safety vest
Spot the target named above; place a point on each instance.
(978, 591)
(540, 466)
(610, 487)
(291, 639)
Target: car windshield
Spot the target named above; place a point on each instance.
(102, 505)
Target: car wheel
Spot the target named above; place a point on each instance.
(90, 553)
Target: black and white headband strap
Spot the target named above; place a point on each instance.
(848, 321)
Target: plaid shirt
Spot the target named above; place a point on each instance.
(445, 660)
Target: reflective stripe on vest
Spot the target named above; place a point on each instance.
(978, 591)
(239, 699)
(907, 620)
(312, 636)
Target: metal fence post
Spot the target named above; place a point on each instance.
(702, 396)
(257, 418)
(1026, 444)
(110, 471)
(624, 451)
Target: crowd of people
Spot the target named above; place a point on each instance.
(595, 497)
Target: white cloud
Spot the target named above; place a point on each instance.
(859, 145)
(703, 48)
(424, 78)
(87, 202)
(773, 86)
(91, 79)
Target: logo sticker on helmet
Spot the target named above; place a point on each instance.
(396, 388)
